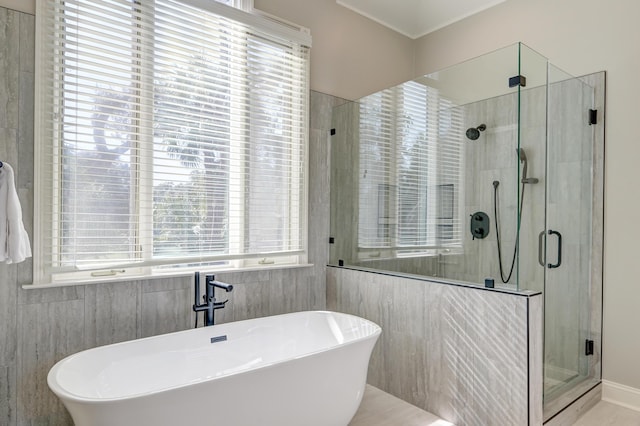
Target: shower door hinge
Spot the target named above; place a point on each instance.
(332, 132)
(588, 347)
(518, 80)
(593, 116)
(332, 240)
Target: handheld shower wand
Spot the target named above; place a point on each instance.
(522, 156)
(523, 159)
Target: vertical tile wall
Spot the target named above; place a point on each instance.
(16, 93)
(466, 354)
(38, 327)
(493, 158)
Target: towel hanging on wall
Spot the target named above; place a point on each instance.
(14, 240)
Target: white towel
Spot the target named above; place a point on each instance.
(14, 240)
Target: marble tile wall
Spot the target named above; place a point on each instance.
(38, 327)
(493, 158)
(536, 361)
(461, 353)
(16, 96)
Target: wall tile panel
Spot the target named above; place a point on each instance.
(7, 395)
(111, 313)
(47, 333)
(459, 352)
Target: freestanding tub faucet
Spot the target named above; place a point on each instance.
(210, 303)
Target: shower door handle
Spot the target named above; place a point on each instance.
(541, 249)
(559, 235)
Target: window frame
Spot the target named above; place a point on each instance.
(144, 199)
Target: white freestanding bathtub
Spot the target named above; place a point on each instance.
(300, 369)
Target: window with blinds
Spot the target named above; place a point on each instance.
(410, 172)
(170, 133)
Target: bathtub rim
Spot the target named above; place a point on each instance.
(65, 394)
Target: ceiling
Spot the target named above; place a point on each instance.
(415, 18)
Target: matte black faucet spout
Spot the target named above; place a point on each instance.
(211, 304)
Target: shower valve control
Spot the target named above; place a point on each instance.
(479, 225)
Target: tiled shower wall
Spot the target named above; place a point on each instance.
(38, 327)
(470, 355)
(491, 158)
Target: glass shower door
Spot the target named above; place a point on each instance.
(565, 250)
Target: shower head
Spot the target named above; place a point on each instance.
(473, 133)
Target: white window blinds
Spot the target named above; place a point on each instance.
(410, 163)
(170, 132)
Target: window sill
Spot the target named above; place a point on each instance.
(158, 275)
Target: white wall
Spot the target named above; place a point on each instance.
(27, 6)
(352, 56)
(580, 36)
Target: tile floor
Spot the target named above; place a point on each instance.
(608, 414)
(381, 409)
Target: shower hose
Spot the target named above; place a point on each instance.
(515, 247)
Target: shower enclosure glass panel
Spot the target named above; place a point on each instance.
(407, 164)
(569, 368)
(483, 171)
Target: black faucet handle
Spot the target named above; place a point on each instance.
(219, 305)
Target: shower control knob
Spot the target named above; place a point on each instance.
(479, 225)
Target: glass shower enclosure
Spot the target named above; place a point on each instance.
(487, 173)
